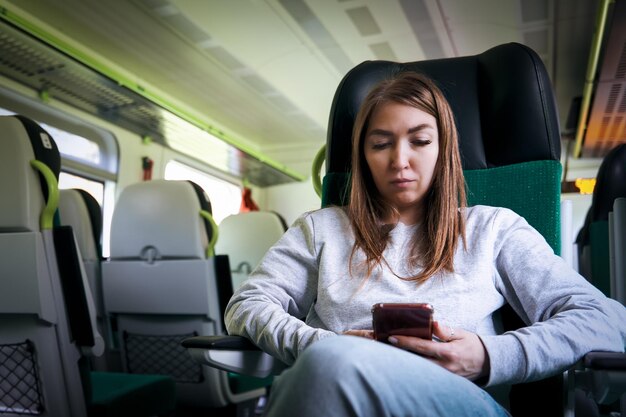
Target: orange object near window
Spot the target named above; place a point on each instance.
(247, 203)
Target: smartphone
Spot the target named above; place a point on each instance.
(405, 319)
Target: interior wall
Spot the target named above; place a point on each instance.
(289, 200)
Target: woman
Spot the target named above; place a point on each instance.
(406, 236)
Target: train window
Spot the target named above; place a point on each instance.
(85, 148)
(74, 146)
(89, 153)
(70, 145)
(225, 196)
(95, 188)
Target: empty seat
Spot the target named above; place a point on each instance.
(40, 365)
(593, 238)
(162, 286)
(245, 237)
(81, 211)
(47, 315)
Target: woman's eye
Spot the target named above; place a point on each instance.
(381, 145)
(421, 142)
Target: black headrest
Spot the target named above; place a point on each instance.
(205, 204)
(610, 183)
(502, 100)
(44, 148)
(95, 216)
(282, 220)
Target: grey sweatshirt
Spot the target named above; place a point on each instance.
(302, 292)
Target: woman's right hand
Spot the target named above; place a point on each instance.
(368, 334)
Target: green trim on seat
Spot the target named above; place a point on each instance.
(531, 189)
(46, 219)
(243, 383)
(210, 250)
(121, 395)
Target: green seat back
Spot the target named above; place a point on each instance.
(531, 189)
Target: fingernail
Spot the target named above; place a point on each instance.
(392, 340)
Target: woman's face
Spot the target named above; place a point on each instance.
(401, 147)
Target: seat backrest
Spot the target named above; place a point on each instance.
(81, 211)
(161, 285)
(509, 141)
(594, 236)
(507, 121)
(245, 238)
(46, 317)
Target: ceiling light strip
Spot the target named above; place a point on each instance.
(22, 22)
(592, 65)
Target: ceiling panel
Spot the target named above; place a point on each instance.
(265, 71)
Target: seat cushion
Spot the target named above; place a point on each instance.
(243, 383)
(119, 395)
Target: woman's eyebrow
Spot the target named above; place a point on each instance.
(420, 127)
(380, 132)
(383, 132)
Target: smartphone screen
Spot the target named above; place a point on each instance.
(405, 319)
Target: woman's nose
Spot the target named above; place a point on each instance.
(399, 157)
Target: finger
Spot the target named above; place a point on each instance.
(445, 333)
(415, 344)
(368, 334)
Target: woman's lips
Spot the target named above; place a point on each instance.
(401, 182)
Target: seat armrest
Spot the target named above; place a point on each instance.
(602, 375)
(233, 354)
(605, 361)
(219, 343)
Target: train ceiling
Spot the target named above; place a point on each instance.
(261, 74)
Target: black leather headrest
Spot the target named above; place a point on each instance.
(205, 204)
(610, 183)
(95, 216)
(502, 100)
(44, 148)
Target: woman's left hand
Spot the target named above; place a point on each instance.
(462, 352)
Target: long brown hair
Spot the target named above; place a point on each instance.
(435, 242)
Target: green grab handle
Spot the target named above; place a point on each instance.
(46, 220)
(210, 250)
(315, 172)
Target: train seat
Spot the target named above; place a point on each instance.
(617, 249)
(162, 284)
(113, 393)
(510, 149)
(594, 235)
(47, 316)
(245, 237)
(602, 259)
(34, 323)
(508, 128)
(81, 211)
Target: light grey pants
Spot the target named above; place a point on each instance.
(351, 376)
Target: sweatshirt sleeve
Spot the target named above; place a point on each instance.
(566, 316)
(270, 307)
